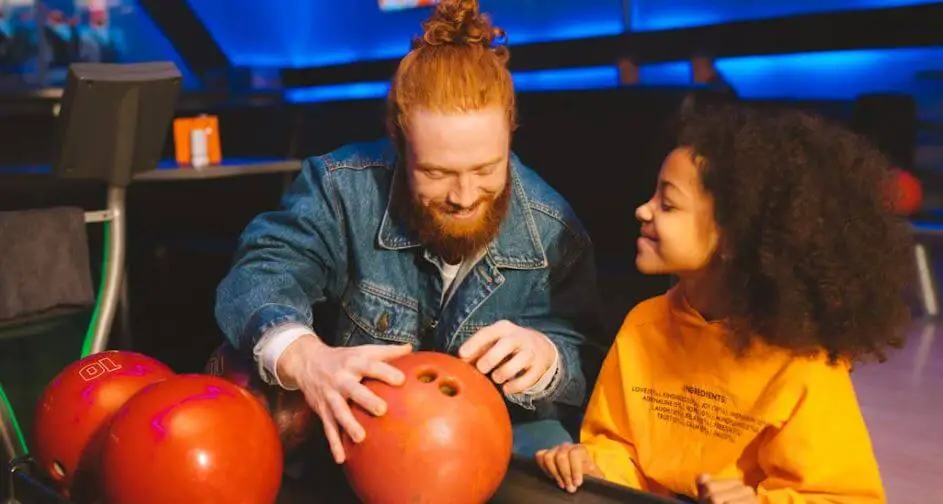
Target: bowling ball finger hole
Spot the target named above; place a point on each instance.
(427, 376)
(448, 387)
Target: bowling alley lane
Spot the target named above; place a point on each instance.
(901, 403)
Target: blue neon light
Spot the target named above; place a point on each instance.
(829, 75)
(542, 80)
(670, 14)
(338, 92)
(832, 75)
(300, 33)
(566, 79)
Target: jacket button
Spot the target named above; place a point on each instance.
(428, 330)
(383, 323)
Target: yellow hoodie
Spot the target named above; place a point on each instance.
(672, 402)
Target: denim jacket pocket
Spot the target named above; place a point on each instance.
(375, 315)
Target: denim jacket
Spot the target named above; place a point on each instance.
(333, 239)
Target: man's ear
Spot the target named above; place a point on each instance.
(394, 133)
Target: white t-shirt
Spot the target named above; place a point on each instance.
(449, 272)
(453, 274)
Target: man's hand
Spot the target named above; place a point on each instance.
(567, 464)
(711, 491)
(514, 356)
(330, 376)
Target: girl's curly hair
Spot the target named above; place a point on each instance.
(811, 258)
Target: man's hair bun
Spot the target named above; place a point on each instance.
(459, 22)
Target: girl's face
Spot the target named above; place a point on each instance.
(679, 234)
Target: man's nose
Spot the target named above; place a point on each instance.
(463, 193)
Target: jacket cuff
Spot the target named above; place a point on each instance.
(545, 381)
(271, 347)
(545, 387)
(270, 316)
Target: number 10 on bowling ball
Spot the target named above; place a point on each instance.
(446, 436)
(75, 409)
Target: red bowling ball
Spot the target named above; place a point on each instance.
(446, 436)
(227, 363)
(905, 192)
(74, 410)
(195, 439)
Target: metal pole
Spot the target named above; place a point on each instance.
(11, 444)
(115, 268)
(14, 447)
(927, 283)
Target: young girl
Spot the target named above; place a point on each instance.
(734, 386)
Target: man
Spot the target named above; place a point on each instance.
(439, 240)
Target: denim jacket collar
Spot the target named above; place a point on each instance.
(517, 245)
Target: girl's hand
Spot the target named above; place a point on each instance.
(567, 464)
(711, 491)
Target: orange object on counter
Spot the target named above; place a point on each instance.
(183, 132)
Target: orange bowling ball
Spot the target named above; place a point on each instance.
(288, 408)
(74, 410)
(446, 436)
(192, 438)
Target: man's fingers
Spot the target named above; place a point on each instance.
(479, 342)
(385, 352)
(378, 370)
(364, 397)
(333, 436)
(344, 417)
(523, 382)
(501, 350)
(514, 366)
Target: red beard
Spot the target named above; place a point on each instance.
(450, 239)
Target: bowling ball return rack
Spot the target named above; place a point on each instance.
(28, 488)
(524, 483)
